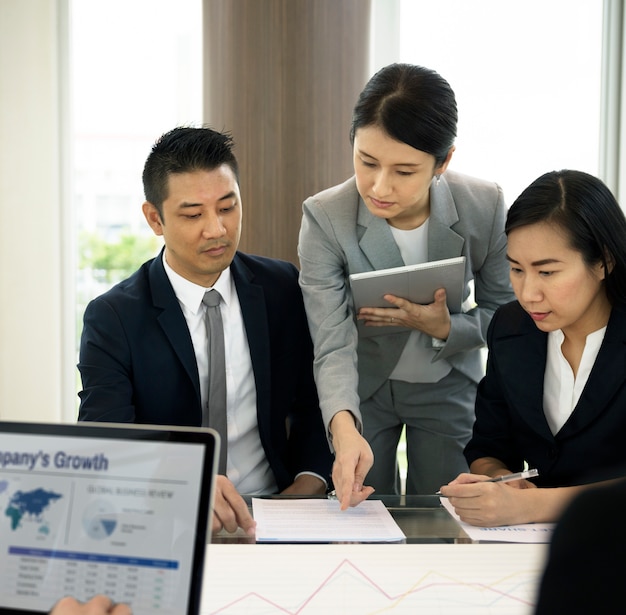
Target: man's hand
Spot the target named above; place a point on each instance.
(306, 484)
(230, 510)
(98, 605)
(353, 460)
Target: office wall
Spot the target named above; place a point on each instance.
(283, 77)
(30, 212)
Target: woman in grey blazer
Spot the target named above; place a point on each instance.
(401, 207)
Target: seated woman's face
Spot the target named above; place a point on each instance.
(553, 283)
(392, 177)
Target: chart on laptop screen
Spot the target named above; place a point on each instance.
(87, 516)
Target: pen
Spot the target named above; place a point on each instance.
(517, 476)
(505, 478)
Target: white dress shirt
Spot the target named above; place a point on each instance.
(561, 391)
(417, 361)
(247, 466)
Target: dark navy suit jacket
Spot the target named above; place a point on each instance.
(586, 566)
(137, 361)
(510, 421)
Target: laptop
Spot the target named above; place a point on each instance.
(94, 508)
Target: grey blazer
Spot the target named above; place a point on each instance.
(339, 236)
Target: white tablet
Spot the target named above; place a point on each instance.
(417, 283)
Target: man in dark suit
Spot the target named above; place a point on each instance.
(144, 355)
(587, 563)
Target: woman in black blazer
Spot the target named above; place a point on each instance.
(554, 394)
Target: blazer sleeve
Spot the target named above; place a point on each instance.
(290, 422)
(105, 367)
(308, 446)
(330, 313)
(492, 434)
(486, 250)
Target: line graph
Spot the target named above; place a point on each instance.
(371, 579)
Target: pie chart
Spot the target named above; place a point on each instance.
(100, 519)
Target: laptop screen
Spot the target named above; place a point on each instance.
(100, 508)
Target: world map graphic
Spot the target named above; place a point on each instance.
(28, 503)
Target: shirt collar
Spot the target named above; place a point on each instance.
(593, 341)
(190, 294)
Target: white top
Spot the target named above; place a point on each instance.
(561, 391)
(247, 466)
(417, 361)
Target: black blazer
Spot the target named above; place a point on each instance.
(586, 565)
(510, 422)
(137, 361)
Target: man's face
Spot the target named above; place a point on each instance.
(201, 223)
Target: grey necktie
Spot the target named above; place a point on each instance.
(215, 414)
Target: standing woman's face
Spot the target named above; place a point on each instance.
(394, 178)
(553, 283)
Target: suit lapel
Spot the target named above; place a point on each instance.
(378, 245)
(254, 312)
(376, 240)
(522, 363)
(521, 357)
(443, 242)
(172, 320)
(606, 377)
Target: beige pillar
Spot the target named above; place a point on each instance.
(34, 372)
(283, 76)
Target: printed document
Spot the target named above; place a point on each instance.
(321, 520)
(526, 532)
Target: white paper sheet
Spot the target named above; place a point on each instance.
(527, 532)
(320, 520)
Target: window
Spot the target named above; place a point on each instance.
(527, 77)
(135, 72)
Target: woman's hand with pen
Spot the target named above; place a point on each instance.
(516, 479)
(487, 502)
